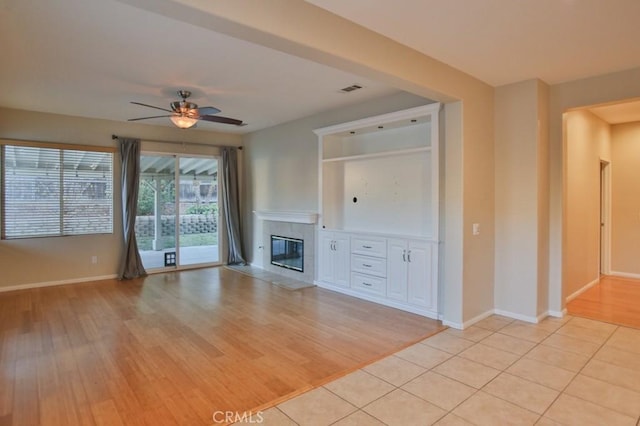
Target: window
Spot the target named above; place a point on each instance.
(54, 192)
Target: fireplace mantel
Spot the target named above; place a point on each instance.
(287, 216)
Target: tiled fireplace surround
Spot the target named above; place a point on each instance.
(287, 224)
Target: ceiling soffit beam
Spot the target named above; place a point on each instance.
(307, 31)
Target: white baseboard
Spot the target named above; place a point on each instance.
(478, 318)
(456, 325)
(513, 315)
(557, 314)
(54, 283)
(468, 323)
(624, 275)
(542, 316)
(379, 300)
(582, 290)
(517, 316)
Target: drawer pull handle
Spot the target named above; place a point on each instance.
(367, 247)
(366, 266)
(367, 284)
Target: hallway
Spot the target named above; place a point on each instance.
(615, 300)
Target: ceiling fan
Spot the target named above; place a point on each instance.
(185, 114)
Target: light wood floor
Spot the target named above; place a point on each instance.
(173, 348)
(614, 300)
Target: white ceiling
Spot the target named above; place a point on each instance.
(92, 57)
(507, 41)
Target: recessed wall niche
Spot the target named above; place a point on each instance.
(382, 177)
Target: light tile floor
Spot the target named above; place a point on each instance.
(569, 371)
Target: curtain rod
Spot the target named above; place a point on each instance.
(180, 143)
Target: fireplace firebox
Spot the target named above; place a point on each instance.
(287, 252)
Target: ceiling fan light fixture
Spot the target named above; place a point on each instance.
(182, 121)
(185, 114)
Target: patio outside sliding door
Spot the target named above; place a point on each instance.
(198, 210)
(177, 218)
(155, 217)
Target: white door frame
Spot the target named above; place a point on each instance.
(605, 217)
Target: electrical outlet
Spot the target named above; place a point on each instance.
(476, 229)
(94, 259)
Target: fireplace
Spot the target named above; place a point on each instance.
(293, 227)
(287, 253)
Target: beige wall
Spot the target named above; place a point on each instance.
(59, 259)
(478, 198)
(543, 198)
(588, 141)
(452, 230)
(517, 199)
(625, 199)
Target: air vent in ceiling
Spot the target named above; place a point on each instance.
(350, 88)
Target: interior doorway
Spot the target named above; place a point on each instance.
(592, 251)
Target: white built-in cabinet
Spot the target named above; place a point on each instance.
(410, 266)
(379, 209)
(333, 265)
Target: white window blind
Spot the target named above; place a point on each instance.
(53, 192)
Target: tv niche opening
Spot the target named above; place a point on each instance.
(287, 253)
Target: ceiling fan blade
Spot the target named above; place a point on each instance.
(220, 119)
(146, 118)
(208, 110)
(151, 106)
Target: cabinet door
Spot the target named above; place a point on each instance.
(419, 285)
(341, 261)
(397, 270)
(326, 265)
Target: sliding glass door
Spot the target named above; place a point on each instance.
(177, 218)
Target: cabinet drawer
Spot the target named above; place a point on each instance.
(369, 265)
(369, 246)
(368, 284)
